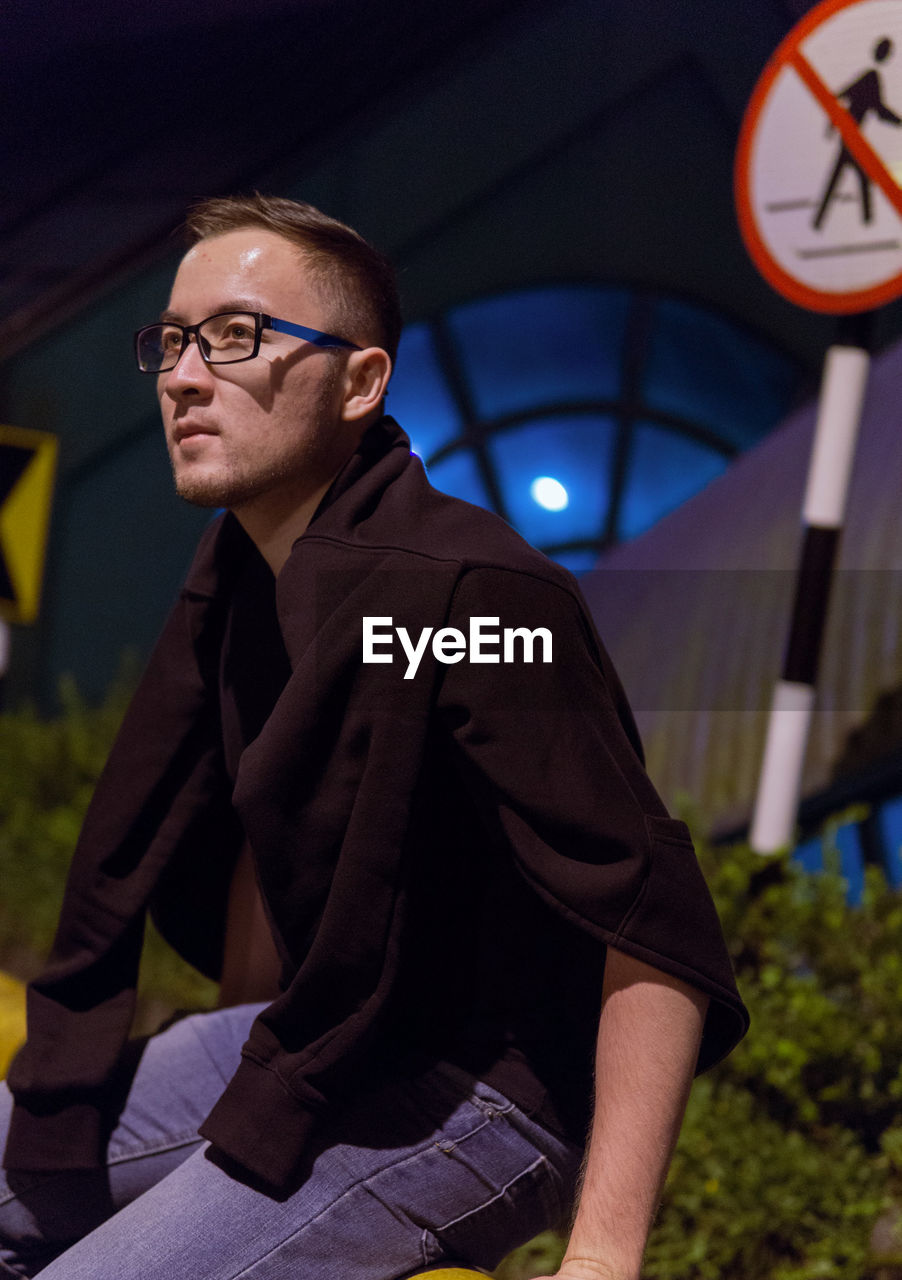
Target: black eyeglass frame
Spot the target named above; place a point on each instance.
(261, 321)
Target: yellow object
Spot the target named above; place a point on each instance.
(449, 1273)
(24, 519)
(12, 1018)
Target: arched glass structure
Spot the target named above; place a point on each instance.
(582, 414)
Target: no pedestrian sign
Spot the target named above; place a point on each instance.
(819, 165)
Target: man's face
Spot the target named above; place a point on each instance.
(266, 434)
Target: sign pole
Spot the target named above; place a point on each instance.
(819, 201)
(836, 433)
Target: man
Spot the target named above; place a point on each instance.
(455, 851)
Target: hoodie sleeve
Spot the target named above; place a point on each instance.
(161, 791)
(548, 749)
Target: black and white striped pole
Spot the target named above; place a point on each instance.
(836, 433)
(818, 257)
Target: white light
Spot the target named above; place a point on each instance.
(549, 493)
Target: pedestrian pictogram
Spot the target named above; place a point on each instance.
(861, 97)
(819, 165)
(27, 468)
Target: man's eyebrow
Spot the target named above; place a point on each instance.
(230, 304)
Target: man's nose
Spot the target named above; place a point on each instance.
(191, 371)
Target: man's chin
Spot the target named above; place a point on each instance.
(208, 490)
(200, 495)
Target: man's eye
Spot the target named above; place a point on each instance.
(239, 332)
(171, 339)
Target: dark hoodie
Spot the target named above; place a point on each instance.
(443, 858)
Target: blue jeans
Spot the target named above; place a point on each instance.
(408, 1173)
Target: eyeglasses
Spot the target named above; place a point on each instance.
(226, 338)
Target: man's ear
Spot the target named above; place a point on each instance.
(366, 377)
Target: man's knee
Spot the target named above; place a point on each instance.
(42, 1214)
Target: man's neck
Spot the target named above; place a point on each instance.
(275, 529)
(276, 520)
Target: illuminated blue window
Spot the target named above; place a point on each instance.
(576, 561)
(701, 367)
(583, 414)
(546, 515)
(458, 474)
(540, 346)
(419, 397)
(664, 469)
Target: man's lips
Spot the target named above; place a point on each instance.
(185, 430)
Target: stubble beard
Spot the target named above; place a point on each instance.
(230, 488)
(312, 461)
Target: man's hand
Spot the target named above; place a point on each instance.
(586, 1269)
(648, 1042)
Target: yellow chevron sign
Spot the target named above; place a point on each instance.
(27, 470)
(12, 1018)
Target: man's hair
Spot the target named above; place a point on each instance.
(356, 281)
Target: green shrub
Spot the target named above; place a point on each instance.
(48, 769)
(781, 1169)
(790, 1151)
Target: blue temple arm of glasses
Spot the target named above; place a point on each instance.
(310, 335)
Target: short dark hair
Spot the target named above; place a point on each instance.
(358, 282)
